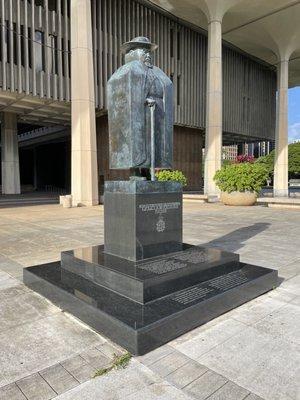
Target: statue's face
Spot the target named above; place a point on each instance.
(143, 55)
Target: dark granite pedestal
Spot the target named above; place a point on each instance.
(144, 304)
(142, 219)
(144, 287)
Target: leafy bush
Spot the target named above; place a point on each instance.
(294, 161)
(242, 177)
(168, 175)
(244, 158)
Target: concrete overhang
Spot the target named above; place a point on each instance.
(266, 29)
(34, 110)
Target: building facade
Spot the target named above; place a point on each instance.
(55, 60)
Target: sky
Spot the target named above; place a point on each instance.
(294, 114)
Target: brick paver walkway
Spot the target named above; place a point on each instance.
(249, 353)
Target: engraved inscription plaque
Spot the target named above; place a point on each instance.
(162, 266)
(194, 256)
(191, 294)
(228, 281)
(219, 284)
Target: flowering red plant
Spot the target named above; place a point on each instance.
(244, 158)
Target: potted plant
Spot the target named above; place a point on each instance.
(169, 175)
(240, 183)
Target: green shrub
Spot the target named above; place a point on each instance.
(168, 175)
(244, 177)
(294, 160)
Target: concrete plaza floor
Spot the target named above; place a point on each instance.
(249, 353)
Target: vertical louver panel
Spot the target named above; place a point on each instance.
(35, 59)
(249, 87)
(34, 49)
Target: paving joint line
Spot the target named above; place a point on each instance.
(47, 383)
(196, 378)
(227, 380)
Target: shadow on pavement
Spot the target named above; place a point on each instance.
(236, 240)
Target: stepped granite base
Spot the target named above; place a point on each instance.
(144, 304)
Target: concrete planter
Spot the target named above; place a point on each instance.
(238, 198)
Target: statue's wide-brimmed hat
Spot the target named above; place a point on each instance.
(139, 42)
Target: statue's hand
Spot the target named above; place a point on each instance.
(150, 102)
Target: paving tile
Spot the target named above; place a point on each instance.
(118, 384)
(32, 347)
(11, 392)
(35, 388)
(59, 378)
(205, 385)
(95, 358)
(110, 350)
(169, 363)
(290, 270)
(13, 292)
(13, 268)
(257, 309)
(253, 396)
(283, 323)
(155, 355)
(3, 275)
(161, 391)
(26, 307)
(73, 363)
(296, 301)
(255, 360)
(83, 373)
(292, 285)
(186, 374)
(281, 295)
(9, 282)
(204, 340)
(230, 391)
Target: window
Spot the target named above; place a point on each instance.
(39, 51)
(52, 5)
(53, 59)
(178, 90)
(178, 45)
(171, 42)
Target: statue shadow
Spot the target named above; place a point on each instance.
(237, 239)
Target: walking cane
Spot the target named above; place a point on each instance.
(151, 104)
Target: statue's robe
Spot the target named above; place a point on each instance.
(129, 117)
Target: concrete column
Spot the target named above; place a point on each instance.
(213, 135)
(281, 136)
(10, 155)
(84, 150)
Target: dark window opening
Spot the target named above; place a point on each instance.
(52, 5)
(22, 45)
(178, 45)
(39, 51)
(29, 49)
(53, 59)
(7, 37)
(172, 43)
(178, 90)
(15, 39)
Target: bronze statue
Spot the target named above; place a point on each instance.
(139, 93)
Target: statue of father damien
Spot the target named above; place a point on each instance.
(132, 90)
